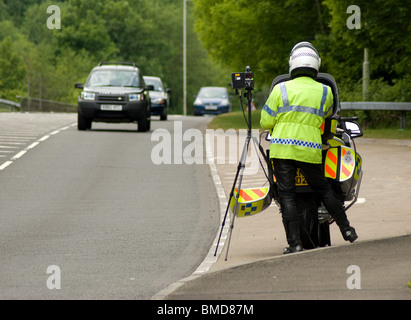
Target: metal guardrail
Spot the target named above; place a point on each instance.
(38, 105)
(43, 105)
(9, 104)
(385, 106)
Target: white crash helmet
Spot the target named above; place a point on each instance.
(304, 60)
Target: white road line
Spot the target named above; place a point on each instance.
(44, 138)
(30, 147)
(9, 142)
(5, 165)
(12, 136)
(19, 155)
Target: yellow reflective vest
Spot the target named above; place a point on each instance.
(294, 113)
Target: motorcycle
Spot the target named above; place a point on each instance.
(342, 168)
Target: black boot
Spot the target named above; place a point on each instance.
(292, 230)
(297, 248)
(337, 211)
(349, 234)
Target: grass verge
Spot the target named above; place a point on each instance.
(235, 120)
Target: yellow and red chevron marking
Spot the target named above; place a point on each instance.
(247, 195)
(250, 201)
(331, 162)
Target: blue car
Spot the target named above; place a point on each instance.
(160, 97)
(212, 100)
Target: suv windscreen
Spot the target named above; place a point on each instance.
(113, 78)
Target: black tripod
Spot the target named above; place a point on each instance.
(240, 170)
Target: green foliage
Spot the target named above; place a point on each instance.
(12, 70)
(238, 33)
(236, 120)
(232, 33)
(385, 31)
(85, 28)
(148, 32)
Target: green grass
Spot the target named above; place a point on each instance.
(388, 133)
(235, 120)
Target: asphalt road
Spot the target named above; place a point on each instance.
(88, 215)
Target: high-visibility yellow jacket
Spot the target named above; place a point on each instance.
(294, 113)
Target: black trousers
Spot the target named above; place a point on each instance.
(285, 172)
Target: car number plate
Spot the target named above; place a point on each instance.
(111, 107)
(300, 179)
(211, 107)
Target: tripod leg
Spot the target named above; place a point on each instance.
(228, 207)
(240, 173)
(240, 168)
(229, 235)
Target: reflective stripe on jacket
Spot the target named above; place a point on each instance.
(294, 112)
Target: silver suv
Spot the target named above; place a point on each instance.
(114, 92)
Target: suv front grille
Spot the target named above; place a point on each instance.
(112, 98)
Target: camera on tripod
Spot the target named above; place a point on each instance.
(240, 80)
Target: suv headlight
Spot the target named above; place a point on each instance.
(135, 97)
(88, 95)
(197, 102)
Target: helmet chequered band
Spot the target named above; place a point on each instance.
(304, 54)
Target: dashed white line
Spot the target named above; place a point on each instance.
(5, 165)
(18, 155)
(44, 138)
(30, 147)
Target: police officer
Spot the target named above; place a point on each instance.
(294, 113)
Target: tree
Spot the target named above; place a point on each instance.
(148, 32)
(238, 33)
(83, 27)
(12, 70)
(385, 31)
